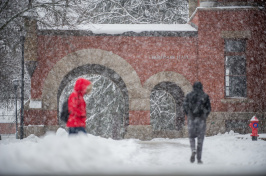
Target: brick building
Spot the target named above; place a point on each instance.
(223, 46)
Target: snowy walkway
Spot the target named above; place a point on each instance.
(226, 154)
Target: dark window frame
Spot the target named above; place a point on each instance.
(239, 53)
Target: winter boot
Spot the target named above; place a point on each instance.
(192, 158)
(200, 162)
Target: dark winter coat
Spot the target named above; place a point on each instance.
(197, 102)
(197, 107)
(77, 105)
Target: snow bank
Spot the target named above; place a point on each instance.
(57, 153)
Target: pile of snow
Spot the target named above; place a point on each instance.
(58, 153)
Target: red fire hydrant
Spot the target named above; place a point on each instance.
(254, 126)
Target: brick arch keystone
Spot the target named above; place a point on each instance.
(90, 56)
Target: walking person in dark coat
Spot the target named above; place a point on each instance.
(197, 107)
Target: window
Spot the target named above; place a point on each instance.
(235, 68)
(235, 45)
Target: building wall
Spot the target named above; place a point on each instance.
(148, 67)
(215, 25)
(153, 58)
(137, 51)
(7, 128)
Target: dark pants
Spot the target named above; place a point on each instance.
(196, 129)
(76, 130)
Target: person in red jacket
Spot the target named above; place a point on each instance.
(77, 106)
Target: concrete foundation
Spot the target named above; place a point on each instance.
(217, 122)
(37, 130)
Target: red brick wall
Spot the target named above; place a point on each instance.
(135, 50)
(7, 128)
(195, 19)
(211, 55)
(139, 117)
(32, 117)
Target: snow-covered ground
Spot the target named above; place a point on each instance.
(57, 153)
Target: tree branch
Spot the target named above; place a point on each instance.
(4, 6)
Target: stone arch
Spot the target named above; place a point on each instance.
(96, 70)
(168, 76)
(87, 57)
(185, 87)
(172, 116)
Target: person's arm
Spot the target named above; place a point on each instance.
(185, 105)
(207, 106)
(75, 108)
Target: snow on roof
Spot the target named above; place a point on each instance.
(114, 29)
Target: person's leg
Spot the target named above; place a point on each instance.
(202, 129)
(193, 149)
(76, 130)
(72, 130)
(199, 148)
(81, 129)
(192, 135)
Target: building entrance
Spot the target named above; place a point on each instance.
(166, 107)
(107, 105)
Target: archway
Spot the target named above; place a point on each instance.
(166, 107)
(108, 103)
(85, 57)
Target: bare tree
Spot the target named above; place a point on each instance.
(70, 13)
(12, 13)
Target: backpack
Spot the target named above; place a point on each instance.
(197, 105)
(64, 113)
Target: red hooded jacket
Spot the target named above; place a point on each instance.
(77, 105)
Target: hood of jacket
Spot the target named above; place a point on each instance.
(197, 86)
(81, 85)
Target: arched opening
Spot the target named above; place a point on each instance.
(166, 107)
(108, 103)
